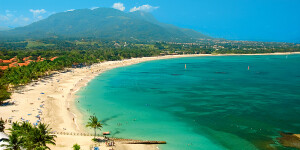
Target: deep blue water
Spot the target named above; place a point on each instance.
(215, 103)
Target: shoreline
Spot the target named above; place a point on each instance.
(53, 97)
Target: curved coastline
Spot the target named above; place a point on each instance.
(100, 68)
(58, 101)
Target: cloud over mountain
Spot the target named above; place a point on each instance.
(146, 8)
(11, 19)
(37, 13)
(119, 6)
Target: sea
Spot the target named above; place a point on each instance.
(193, 103)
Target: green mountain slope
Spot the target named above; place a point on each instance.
(104, 23)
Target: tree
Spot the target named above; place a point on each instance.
(2, 127)
(40, 136)
(3, 95)
(33, 137)
(15, 142)
(76, 147)
(94, 123)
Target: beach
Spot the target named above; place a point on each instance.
(52, 100)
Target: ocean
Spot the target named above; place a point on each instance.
(215, 102)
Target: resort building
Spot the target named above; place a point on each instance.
(26, 58)
(6, 61)
(3, 67)
(40, 59)
(13, 62)
(53, 58)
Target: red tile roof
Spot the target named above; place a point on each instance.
(15, 64)
(23, 64)
(7, 61)
(14, 59)
(26, 58)
(3, 67)
(53, 58)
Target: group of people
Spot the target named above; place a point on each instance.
(110, 143)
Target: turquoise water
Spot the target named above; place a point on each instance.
(215, 103)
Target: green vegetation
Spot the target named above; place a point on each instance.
(2, 127)
(3, 95)
(76, 147)
(36, 44)
(94, 123)
(14, 142)
(25, 136)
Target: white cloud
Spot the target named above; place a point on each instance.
(26, 19)
(21, 20)
(37, 11)
(37, 14)
(71, 10)
(8, 16)
(146, 8)
(4, 18)
(10, 19)
(94, 8)
(9, 11)
(39, 17)
(119, 6)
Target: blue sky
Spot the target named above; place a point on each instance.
(258, 20)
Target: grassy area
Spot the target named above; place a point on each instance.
(86, 43)
(36, 44)
(149, 46)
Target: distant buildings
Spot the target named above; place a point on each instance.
(3, 67)
(53, 58)
(13, 62)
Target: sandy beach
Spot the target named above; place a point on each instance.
(52, 99)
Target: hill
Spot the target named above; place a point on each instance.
(103, 23)
(2, 28)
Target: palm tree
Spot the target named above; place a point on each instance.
(32, 137)
(14, 142)
(41, 148)
(2, 127)
(94, 123)
(76, 147)
(40, 137)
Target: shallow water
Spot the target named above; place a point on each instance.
(215, 103)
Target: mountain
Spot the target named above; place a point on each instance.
(104, 23)
(4, 28)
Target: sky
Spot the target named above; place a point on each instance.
(253, 20)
